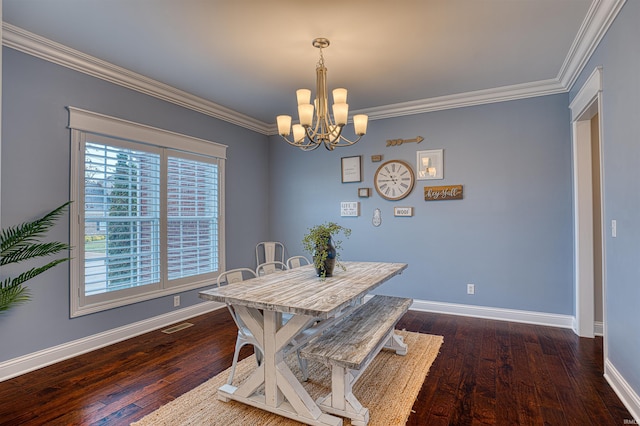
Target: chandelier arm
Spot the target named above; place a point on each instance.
(309, 146)
(347, 142)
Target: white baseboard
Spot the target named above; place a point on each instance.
(598, 328)
(629, 398)
(528, 317)
(33, 361)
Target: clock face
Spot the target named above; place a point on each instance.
(394, 180)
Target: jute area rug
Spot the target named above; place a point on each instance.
(388, 387)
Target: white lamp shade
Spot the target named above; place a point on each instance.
(304, 96)
(340, 96)
(298, 133)
(305, 112)
(340, 113)
(284, 124)
(360, 124)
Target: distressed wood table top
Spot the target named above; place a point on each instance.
(299, 291)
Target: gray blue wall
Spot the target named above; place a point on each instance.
(511, 235)
(619, 57)
(35, 179)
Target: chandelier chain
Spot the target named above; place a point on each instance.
(321, 60)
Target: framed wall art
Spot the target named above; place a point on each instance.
(352, 169)
(364, 192)
(430, 164)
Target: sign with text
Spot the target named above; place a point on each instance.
(403, 211)
(437, 193)
(350, 208)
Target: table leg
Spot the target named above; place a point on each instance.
(283, 393)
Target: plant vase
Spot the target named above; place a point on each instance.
(323, 243)
(324, 259)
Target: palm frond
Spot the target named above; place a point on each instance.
(19, 243)
(11, 295)
(27, 233)
(27, 275)
(19, 254)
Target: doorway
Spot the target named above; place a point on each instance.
(586, 118)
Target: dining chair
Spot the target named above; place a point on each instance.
(269, 251)
(297, 261)
(244, 335)
(267, 268)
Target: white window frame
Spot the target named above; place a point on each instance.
(81, 123)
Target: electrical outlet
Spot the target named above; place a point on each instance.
(176, 301)
(471, 289)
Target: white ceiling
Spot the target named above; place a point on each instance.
(251, 55)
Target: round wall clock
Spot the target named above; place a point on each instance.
(394, 180)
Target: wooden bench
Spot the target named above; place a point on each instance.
(349, 347)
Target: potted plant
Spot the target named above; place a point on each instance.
(321, 242)
(21, 243)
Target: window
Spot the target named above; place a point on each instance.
(149, 206)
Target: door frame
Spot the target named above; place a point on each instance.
(586, 104)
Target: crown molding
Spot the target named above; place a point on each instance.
(599, 17)
(460, 100)
(478, 97)
(40, 47)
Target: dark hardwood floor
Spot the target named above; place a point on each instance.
(487, 372)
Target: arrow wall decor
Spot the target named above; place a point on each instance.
(397, 142)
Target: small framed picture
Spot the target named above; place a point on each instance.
(429, 164)
(403, 211)
(352, 169)
(364, 192)
(350, 208)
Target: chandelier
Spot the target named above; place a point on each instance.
(309, 135)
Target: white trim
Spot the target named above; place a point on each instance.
(156, 140)
(625, 392)
(40, 47)
(33, 361)
(586, 104)
(596, 23)
(598, 328)
(93, 122)
(583, 228)
(30, 362)
(600, 16)
(586, 94)
(479, 97)
(487, 312)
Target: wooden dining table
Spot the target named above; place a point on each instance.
(314, 305)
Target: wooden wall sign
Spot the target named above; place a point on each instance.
(449, 192)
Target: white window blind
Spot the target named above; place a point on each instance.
(192, 215)
(122, 218)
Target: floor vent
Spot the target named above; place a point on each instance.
(177, 328)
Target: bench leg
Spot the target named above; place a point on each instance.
(396, 343)
(341, 401)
